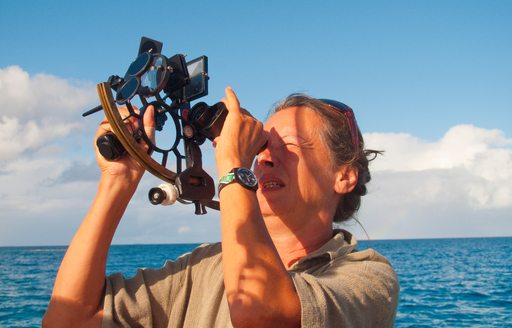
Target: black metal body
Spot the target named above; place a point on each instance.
(167, 80)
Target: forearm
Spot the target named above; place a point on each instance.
(258, 287)
(78, 290)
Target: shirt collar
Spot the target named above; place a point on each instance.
(341, 244)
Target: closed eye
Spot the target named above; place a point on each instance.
(291, 142)
(297, 145)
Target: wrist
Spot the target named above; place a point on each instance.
(115, 184)
(225, 167)
(111, 200)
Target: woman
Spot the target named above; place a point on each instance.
(280, 264)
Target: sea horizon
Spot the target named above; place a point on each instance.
(211, 242)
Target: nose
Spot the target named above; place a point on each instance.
(265, 158)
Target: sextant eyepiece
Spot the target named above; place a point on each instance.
(208, 120)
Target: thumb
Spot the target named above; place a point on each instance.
(149, 122)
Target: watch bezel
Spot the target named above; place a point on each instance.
(241, 175)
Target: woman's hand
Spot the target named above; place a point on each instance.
(241, 138)
(125, 169)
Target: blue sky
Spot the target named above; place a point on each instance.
(433, 75)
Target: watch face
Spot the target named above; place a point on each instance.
(247, 177)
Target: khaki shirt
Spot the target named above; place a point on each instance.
(337, 287)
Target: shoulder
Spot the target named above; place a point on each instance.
(205, 255)
(200, 259)
(368, 271)
(365, 271)
(202, 253)
(356, 288)
(367, 260)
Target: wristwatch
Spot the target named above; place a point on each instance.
(241, 175)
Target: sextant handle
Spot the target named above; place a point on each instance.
(110, 147)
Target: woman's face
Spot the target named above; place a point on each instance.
(296, 173)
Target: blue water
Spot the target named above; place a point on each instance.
(444, 282)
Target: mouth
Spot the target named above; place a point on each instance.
(270, 184)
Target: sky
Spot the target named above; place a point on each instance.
(430, 83)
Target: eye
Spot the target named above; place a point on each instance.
(289, 145)
(290, 142)
(302, 144)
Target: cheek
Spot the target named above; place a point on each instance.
(316, 174)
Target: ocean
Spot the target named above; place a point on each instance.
(464, 282)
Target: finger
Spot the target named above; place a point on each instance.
(226, 102)
(149, 122)
(103, 128)
(245, 111)
(231, 101)
(130, 122)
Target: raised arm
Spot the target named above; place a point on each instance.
(79, 287)
(259, 290)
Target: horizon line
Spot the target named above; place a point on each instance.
(212, 242)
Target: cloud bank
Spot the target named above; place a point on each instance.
(38, 110)
(459, 185)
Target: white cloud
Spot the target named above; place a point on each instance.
(183, 229)
(459, 147)
(483, 157)
(38, 110)
(41, 132)
(459, 185)
(41, 95)
(17, 137)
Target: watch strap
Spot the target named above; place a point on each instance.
(231, 177)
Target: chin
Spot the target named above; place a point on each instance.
(273, 209)
(265, 207)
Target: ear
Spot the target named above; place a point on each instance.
(346, 179)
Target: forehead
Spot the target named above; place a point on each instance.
(302, 120)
